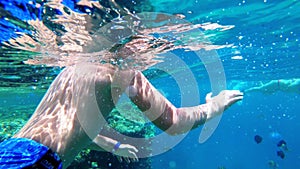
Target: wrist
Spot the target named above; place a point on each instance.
(116, 147)
(213, 109)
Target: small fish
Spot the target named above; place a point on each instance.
(273, 164)
(282, 144)
(258, 139)
(281, 154)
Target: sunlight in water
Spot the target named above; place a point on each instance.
(130, 40)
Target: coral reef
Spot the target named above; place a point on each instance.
(12, 119)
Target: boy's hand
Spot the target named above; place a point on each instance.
(127, 153)
(218, 104)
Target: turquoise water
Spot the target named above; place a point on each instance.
(256, 41)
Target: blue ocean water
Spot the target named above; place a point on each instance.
(256, 41)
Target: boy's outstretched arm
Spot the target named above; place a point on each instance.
(169, 118)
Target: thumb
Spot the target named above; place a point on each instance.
(208, 97)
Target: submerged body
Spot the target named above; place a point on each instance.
(284, 85)
(87, 90)
(55, 123)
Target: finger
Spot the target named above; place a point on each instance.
(234, 93)
(208, 97)
(238, 93)
(127, 159)
(134, 149)
(133, 156)
(120, 159)
(233, 96)
(235, 99)
(136, 159)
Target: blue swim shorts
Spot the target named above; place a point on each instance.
(23, 153)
